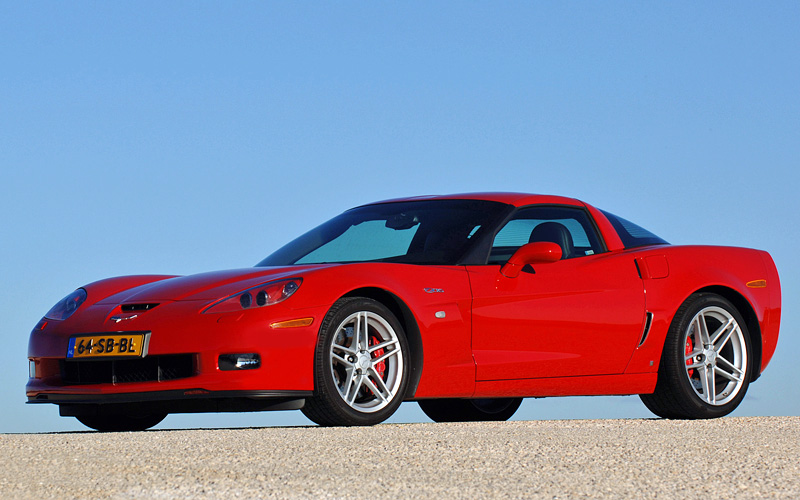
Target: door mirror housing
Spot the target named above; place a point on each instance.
(539, 252)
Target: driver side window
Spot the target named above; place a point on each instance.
(570, 228)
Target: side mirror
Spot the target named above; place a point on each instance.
(540, 252)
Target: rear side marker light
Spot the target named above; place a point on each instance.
(292, 323)
(248, 361)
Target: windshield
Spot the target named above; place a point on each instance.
(416, 232)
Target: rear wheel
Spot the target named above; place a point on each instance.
(120, 423)
(706, 364)
(470, 410)
(361, 366)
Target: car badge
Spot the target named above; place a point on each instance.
(433, 290)
(117, 319)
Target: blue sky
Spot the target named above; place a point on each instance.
(144, 137)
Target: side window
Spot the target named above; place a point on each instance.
(570, 228)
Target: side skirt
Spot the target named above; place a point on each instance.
(599, 385)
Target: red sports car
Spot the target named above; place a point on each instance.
(463, 303)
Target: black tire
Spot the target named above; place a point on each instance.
(121, 423)
(470, 410)
(691, 383)
(346, 381)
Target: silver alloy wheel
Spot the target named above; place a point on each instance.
(366, 361)
(716, 356)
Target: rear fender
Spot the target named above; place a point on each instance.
(722, 270)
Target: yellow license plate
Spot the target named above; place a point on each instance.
(97, 346)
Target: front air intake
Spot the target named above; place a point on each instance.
(122, 371)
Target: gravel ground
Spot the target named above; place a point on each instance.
(725, 458)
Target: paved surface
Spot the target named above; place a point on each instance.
(726, 458)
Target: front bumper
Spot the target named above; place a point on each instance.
(183, 372)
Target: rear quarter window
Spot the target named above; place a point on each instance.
(632, 235)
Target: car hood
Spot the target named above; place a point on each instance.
(206, 286)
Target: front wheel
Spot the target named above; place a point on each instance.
(470, 410)
(707, 361)
(361, 365)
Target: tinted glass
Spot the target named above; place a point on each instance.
(418, 232)
(632, 235)
(570, 228)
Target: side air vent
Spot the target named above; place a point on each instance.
(647, 323)
(137, 307)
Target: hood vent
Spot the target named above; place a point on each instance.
(137, 307)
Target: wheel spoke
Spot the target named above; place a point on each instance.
(347, 350)
(353, 388)
(344, 385)
(727, 375)
(696, 365)
(361, 331)
(702, 329)
(701, 372)
(730, 366)
(723, 334)
(383, 345)
(381, 384)
(711, 397)
(378, 391)
(692, 355)
(385, 356)
(341, 360)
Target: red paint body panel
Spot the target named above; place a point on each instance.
(571, 327)
(612, 240)
(515, 199)
(571, 318)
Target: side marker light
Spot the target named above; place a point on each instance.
(757, 284)
(292, 323)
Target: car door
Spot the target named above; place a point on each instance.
(581, 315)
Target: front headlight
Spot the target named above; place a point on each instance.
(258, 296)
(67, 306)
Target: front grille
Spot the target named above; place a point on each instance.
(149, 369)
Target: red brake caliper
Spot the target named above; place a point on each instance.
(689, 350)
(381, 366)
